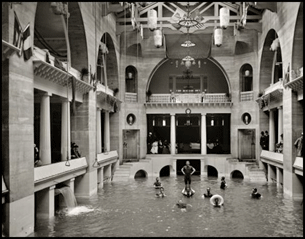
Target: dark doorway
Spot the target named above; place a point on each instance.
(193, 162)
(237, 174)
(211, 171)
(140, 174)
(165, 171)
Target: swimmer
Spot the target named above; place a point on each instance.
(161, 193)
(255, 194)
(188, 191)
(157, 184)
(208, 194)
(181, 204)
(223, 183)
(216, 200)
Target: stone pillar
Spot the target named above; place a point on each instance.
(65, 130)
(203, 172)
(100, 177)
(98, 132)
(107, 132)
(45, 201)
(280, 122)
(279, 177)
(271, 131)
(173, 134)
(107, 172)
(45, 130)
(203, 134)
(271, 174)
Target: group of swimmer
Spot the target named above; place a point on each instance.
(216, 200)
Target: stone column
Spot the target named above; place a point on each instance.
(45, 130)
(174, 173)
(107, 132)
(203, 134)
(46, 203)
(173, 134)
(202, 171)
(107, 172)
(271, 174)
(271, 131)
(65, 130)
(279, 177)
(100, 177)
(280, 122)
(98, 131)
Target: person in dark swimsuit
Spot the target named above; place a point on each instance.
(223, 183)
(187, 170)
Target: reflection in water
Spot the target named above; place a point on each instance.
(131, 209)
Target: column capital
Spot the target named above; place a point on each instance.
(72, 179)
(172, 114)
(203, 114)
(52, 187)
(280, 107)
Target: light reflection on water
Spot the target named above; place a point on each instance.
(131, 209)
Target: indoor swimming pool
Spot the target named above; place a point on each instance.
(130, 209)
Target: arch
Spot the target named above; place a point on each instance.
(50, 34)
(167, 67)
(211, 171)
(297, 46)
(165, 171)
(131, 79)
(140, 174)
(237, 174)
(246, 78)
(266, 64)
(111, 62)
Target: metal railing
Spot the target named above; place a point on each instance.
(246, 96)
(189, 98)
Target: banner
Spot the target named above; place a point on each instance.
(27, 46)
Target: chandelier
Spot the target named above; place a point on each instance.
(187, 20)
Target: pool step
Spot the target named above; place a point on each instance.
(257, 174)
(122, 173)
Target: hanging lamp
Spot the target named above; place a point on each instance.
(218, 36)
(152, 19)
(158, 38)
(224, 17)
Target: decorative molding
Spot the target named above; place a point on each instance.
(8, 50)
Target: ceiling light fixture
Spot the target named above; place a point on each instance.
(189, 21)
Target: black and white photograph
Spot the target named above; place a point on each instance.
(152, 119)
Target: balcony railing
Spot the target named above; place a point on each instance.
(131, 97)
(189, 98)
(246, 96)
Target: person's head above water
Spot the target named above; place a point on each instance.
(208, 189)
(254, 190)
(222, 178)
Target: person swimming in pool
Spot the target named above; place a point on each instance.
(223, 183)
(208, 194)
(188, 191)
(157, 184)
(161, 194)
(255, 194)
(181, 204)
(217, 203)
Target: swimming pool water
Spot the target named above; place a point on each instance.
(130, 209)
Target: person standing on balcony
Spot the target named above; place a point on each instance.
(150, 141)
(262, 140)
(267, 140)
(299, 145)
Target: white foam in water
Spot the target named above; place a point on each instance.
(77, 210)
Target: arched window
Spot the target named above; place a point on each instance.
(131, 79)
(246, 78)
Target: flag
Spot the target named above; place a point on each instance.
(27, 46)
(17, 39)
(178, 14)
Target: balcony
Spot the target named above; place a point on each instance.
(272, 158)
(297, 86)
(219, 99)
(105, 159)
(246, 96)
(298, 166)
(131, 97)
(61, 77)
(272, 97)
(51, 174)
